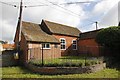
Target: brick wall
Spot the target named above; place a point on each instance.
(66, 70)
(89, 46)
(24, 50)
(69, 39)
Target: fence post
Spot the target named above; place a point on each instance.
(86, 55)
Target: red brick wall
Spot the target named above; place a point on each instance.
(36, 50)
(24, 49)
(88, 45)
(69, 50)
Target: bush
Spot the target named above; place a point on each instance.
(67, 64)
(59, 63)
(87, 64)
(110, 39)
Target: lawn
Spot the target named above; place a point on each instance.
(20, 72)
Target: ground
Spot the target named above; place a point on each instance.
(21, 72)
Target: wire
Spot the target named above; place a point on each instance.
(62, 7)
(89, 24)
(50, 6)
(42, 4)
(8, 4)
(60, 4)
(75, 3)
(34, 6)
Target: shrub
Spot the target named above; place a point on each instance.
(88, 64)
(110, 39)
(74, 65)
(93, 62)
(66, 64)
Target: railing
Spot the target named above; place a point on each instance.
(89, 55)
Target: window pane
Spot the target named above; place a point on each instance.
(74, 42)
(74, 45)
(63, 43)
(63, 46)
(47, 45)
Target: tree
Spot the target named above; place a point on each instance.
(110, 39)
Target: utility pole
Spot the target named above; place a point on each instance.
(19, 26)
(96, 25)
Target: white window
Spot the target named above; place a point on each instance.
(74, 44)
(46, 45)
(63, 43)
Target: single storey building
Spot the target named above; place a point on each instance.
(51, 39)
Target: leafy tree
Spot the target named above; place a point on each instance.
(110, 39)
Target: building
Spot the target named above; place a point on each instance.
(8, 46)
(65, 34)
(87, 44)
(47, 40)
(4, 45)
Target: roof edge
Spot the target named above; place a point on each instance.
(60, 24)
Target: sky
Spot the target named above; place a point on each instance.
(80, 15)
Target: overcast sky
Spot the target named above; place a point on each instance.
(80, 15)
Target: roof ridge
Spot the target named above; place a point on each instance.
(90, 31)
(60, 24)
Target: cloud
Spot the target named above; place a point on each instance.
(104, 6)
(68, 16)
(102, 12)
(110, 18)
(8, 22)
(36, 14)
(7, 31)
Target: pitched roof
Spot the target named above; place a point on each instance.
(88, 35)
(57, 28)
(33, 32)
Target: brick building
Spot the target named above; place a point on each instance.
(51, 39)
(87, 43)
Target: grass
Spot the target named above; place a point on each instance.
(67, 61)
(20, 72)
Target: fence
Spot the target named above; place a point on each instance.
(90, 55)
(91, 50)
(38, 53)
(8, 58)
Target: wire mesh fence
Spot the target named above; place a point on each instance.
(87, 55)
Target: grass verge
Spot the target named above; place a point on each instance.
(20, 72)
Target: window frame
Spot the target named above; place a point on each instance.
(62, 43)
(45, 47)
(74, 44)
